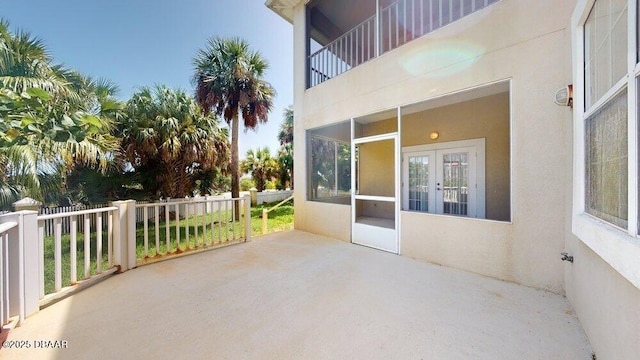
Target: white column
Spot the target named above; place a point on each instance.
(24, 264)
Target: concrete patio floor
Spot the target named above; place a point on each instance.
(294, 295)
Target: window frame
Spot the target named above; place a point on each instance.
(334, 199)
(618, 247)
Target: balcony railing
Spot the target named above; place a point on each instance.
(396, 24)
(355, 47)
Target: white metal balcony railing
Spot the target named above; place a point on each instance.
(397, 24)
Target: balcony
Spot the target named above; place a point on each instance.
(296, 295)
(372, 28)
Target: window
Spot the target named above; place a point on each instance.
(607, 161)
(606, 216)
(605, 33)
(605, 124)
(329, 164)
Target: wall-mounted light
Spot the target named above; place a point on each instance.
(434, 135)
(564, 96)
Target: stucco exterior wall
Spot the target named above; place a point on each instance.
(607, 305)
(514, 39)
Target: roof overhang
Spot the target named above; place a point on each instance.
(284, 8)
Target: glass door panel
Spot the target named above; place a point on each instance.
(421, 178)
(455, 183)
(441, 181)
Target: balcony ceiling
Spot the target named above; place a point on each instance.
(332, 18)
(329, 18)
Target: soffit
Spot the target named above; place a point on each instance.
(329, 18)
(284, 8)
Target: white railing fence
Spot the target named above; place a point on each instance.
(5, 299)
(93, 243)
(49, 226)
(398, 23)
(37, 269)
(178, 227)
(18, 266)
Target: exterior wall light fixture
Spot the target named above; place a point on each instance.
(564, 96)
(434, 135)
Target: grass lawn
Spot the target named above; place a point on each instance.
(280, 219)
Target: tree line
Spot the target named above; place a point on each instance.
(65, 138)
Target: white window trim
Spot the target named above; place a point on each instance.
(620, 248)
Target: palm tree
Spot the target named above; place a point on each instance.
(25, 63)
(228, 81)
(285, 154)
(168, 140)
(261, 166)
(285, 136)
(64, 126)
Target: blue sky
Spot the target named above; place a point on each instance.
(143, 42)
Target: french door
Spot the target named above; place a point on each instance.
(446, 178)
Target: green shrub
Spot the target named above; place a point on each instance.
(246, 184)
(270, 185)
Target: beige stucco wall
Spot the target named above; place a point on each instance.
(607, 305)
(514, 39)
(376, 128)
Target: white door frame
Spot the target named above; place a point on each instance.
(369, 233)
(478, 144)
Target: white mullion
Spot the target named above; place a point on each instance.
(353, 177)
(632, 118)
(579, 116)
(632, 156)
(398, 178)
(609, 35)
(610, 94)
(335, 171)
